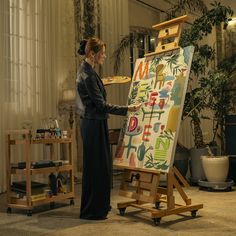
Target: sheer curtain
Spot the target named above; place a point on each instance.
(36, 56)
(114, 26)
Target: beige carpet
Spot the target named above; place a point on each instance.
(218, 217)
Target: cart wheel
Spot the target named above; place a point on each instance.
(8, 210)
(157, 221)
(122, 211)
(29, 213)
(229, 189)
(52, 205)
(72, 202)
(194, 213)
(157, 205)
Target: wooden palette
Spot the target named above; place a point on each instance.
(116, 80)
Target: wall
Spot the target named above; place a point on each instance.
(142, 15)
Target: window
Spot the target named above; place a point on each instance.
(142, 44)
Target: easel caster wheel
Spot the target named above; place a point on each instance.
(8, 210)
(157, 205)
(52, 205)
(122, 211)
(29, 213)
(157, 221)
(72, 202)
(229, 189)
(194, 213)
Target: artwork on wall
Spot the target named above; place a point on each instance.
(149, 136)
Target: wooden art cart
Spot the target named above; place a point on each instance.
(24, 139)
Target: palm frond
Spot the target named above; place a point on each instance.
(124, 44)
(184, 6)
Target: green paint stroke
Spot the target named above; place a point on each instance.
(161, 148)
(150, 163)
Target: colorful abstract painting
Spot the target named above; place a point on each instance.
(149, 136)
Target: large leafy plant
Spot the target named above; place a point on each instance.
(209, 87)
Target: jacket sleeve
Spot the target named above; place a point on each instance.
(95, 94)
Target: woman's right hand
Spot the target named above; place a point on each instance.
(134, 107)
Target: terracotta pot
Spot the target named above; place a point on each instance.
(216, 168)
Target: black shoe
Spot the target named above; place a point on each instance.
(94, 218)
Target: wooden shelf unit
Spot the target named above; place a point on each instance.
(24, 137)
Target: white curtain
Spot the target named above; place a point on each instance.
(114, 26)
(36, 56)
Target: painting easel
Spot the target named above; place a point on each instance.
(169, 35)
(143, 186)
(144, 189)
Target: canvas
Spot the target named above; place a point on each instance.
(149, 136)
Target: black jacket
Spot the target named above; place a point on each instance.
(93, 95)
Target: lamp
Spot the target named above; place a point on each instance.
(68, 95)
(67, 105)
(233, 21)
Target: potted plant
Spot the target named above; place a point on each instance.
(216, 167)
(209, 95)
(213, 96)
(207, 85)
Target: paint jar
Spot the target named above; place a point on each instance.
(64, 134)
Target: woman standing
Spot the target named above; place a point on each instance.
(96, 179)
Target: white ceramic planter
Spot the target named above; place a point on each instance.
(216, 168)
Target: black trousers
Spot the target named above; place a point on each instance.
(96, 178)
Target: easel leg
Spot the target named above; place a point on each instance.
(134, 189)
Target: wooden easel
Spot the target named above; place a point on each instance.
(169, 35)
(143, 186)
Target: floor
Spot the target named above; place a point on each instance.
(218, 217)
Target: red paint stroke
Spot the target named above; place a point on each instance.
(132, 162)
(133, 123)
(161, 103)
(153, 98)
(146, 133)
(162, 128)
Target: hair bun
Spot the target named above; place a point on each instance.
(82, 46)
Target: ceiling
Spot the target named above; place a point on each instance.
(160, 4)
(166, 4)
